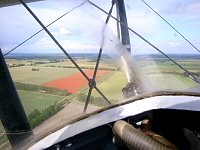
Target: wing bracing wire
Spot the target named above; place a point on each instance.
(92, 81)
(62, 49)
(71, 10)
(191, 76)
(171, 26)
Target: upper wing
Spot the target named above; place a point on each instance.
(5, 3)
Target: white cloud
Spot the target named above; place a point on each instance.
(5, 49)
(62, 31)
(78, 46)
(174, 44)
(46, 43)
(180, 7)
(143, 21)
(47, 15)
(85, 28)
(194, 8)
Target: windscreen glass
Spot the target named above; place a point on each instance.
(70, 58)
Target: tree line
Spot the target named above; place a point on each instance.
(41, 89)
(85, 67)
(36, 116)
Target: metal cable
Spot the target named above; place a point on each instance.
(193, 77)
(54, 39)
(171, 26)
(63, 50)
(43, 29)
(92, 81)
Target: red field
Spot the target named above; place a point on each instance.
(74, 82)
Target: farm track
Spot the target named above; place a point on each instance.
(68, 113)
(71, 111)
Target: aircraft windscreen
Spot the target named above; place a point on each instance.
(70, 58)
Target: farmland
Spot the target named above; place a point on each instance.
(158, 71)
(74, 82)
(25, 74)
(171, 82)
(35, 100)
(112, 88)
(36, 71)
(32, 101)
(165, 75)
(31, 74)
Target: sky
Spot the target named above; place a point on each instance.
(81, 31)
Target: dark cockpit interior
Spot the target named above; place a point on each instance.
(154, 129)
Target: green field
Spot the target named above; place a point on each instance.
(50, 71)
(165, 75)
(33, 100)
(158, 74)
(171, 82)
(1, 128)
(162, 73)
(3, 137)
(54, 70)
(25, 74)
(168, 66)
(112, 87)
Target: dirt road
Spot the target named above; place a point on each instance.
(59, 120)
